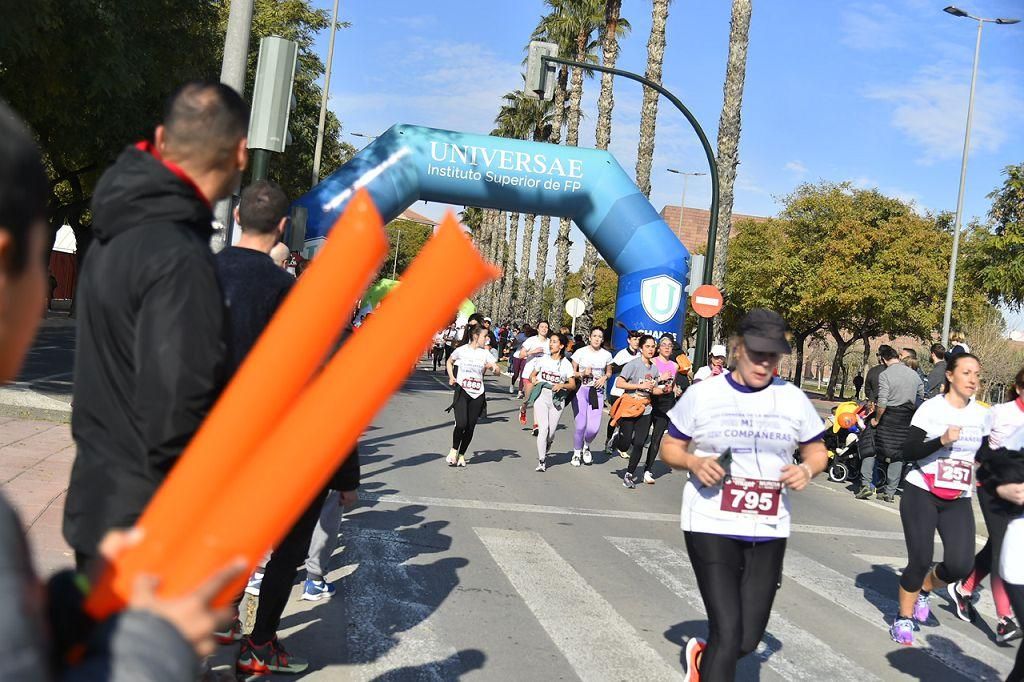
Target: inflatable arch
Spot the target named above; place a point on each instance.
(410, 163)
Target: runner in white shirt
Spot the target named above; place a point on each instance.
(715, 366)
(736, 435)
(593, 365)
(532, 349)
(473, 360)
(557, 374)
(945, 434)
(1007, 418)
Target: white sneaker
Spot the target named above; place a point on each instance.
(512, 388)
(540, 466)
(576, 457)
(452, 457)
(648, 478)
(461, 461)
(587, 457)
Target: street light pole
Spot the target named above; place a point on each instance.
(948, 310)
(398, 242)
(318, 149)
(682, 202)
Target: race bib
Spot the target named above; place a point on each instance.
(472, 384)
(751, 496)
(953, 474)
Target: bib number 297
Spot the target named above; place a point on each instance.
(751, 496)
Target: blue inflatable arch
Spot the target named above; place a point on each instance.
(410, 163)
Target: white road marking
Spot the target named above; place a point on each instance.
(389, 628)
(802, 656)
(596, 641)
(520, 508)
(985, 606)
(968, 657)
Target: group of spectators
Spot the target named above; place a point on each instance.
(162, 326)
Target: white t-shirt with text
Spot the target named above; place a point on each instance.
(472, 362)
(553, 371)
(622, 358)
(595, 360)
(953, 464)
(763, 428)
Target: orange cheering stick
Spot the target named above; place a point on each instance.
(283, 475)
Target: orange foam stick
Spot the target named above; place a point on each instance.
(279, 366)
(296, 459)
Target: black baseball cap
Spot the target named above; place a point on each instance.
(764, 331)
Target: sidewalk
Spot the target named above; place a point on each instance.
(35, 465)
(43, 389)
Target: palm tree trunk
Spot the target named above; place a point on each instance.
(545, 221)
(603, 137)
(521, 307)
(508, 281)
(649, 108)
(729, 137)
(490, 292)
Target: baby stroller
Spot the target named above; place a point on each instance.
(842, 436)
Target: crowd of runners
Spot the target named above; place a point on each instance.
(748, 439)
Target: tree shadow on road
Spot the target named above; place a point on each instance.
(466, 660)
(749, 668)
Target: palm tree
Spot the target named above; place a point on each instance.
(649, 108)
(605, 101)
(729, 136)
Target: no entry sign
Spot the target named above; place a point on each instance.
(706, 300)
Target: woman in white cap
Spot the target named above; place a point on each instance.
(715, 366)
(735, 434)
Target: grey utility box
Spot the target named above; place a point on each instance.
(272, 96)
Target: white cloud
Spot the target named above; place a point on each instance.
(872, 27)
(931, 110)
(796, 167)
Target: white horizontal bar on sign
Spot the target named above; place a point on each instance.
(705, 300)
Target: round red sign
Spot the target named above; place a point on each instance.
(706, 301)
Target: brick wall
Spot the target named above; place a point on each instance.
(694, 232)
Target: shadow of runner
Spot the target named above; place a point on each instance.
(380, 625)
(912, 660)
(749, 667)
(466, 660)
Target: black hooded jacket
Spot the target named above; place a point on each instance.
(150, 345)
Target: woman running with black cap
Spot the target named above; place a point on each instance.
(735, 434)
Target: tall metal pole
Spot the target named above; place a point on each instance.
(398, 242)
(318, 150)
(232, 73)
(682, 204)
(948, 312)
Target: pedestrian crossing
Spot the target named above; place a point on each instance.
(597, 637)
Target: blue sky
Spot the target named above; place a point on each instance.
(870, 92)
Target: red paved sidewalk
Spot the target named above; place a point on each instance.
(35, 464)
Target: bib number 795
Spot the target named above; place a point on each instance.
(751, 496)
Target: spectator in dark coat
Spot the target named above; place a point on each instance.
(936, 380)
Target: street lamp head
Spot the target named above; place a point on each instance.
(673, 170)
(955, 11)
(1007, 21)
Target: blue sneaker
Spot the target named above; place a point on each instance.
(317, 590)
(902, 631)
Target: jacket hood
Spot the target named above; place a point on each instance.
(141, 189)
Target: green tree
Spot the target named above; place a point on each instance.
(994, 257)
(606, 284)
(408, 238)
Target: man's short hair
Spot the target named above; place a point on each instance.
(24, 187)
(204, 121)
(887, 353)
(938, 350)
(262, 206)
(910, 352)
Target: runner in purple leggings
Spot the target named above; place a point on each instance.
(593, 365)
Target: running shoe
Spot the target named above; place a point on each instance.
(522, 415)
(230, 635)
(1007, 630)
(902, 631)
(961, 603)
(865, 493)
(577, 458)
(694, 649)
(890, 499)
(452, 457)
(541, 466)
(922, 611)
(512, 389)
(317, 590)
(627, 480)
(253, 586)
(268, 658)
(520, 396)
(648, 478)
(588, 458)
(623, 454)
(535, 431)
(461, 462)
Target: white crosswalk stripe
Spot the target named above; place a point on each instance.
(974, 660)
(985, 605)
(596, 641)
(802, 656)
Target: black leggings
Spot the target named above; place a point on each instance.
(987, 560)
(737, 581)
(1016, 595)
(467, 413)
(659, 424)
(922, 514)
(633, 434)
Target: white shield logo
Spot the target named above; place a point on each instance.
(660, 297)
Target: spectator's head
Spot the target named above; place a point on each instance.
(279, 254)
(24, 191)
(938, 352)
(204, 131)
(905, 353)
(887, 354)
(487, 322)
(910, 361)
(543, 329)
(957, 337)
(263, 210)
(1017, 390)
(717, 355)
(564, 330)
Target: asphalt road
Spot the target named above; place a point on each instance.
(497, 572)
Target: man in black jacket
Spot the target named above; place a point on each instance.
(150, 345)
